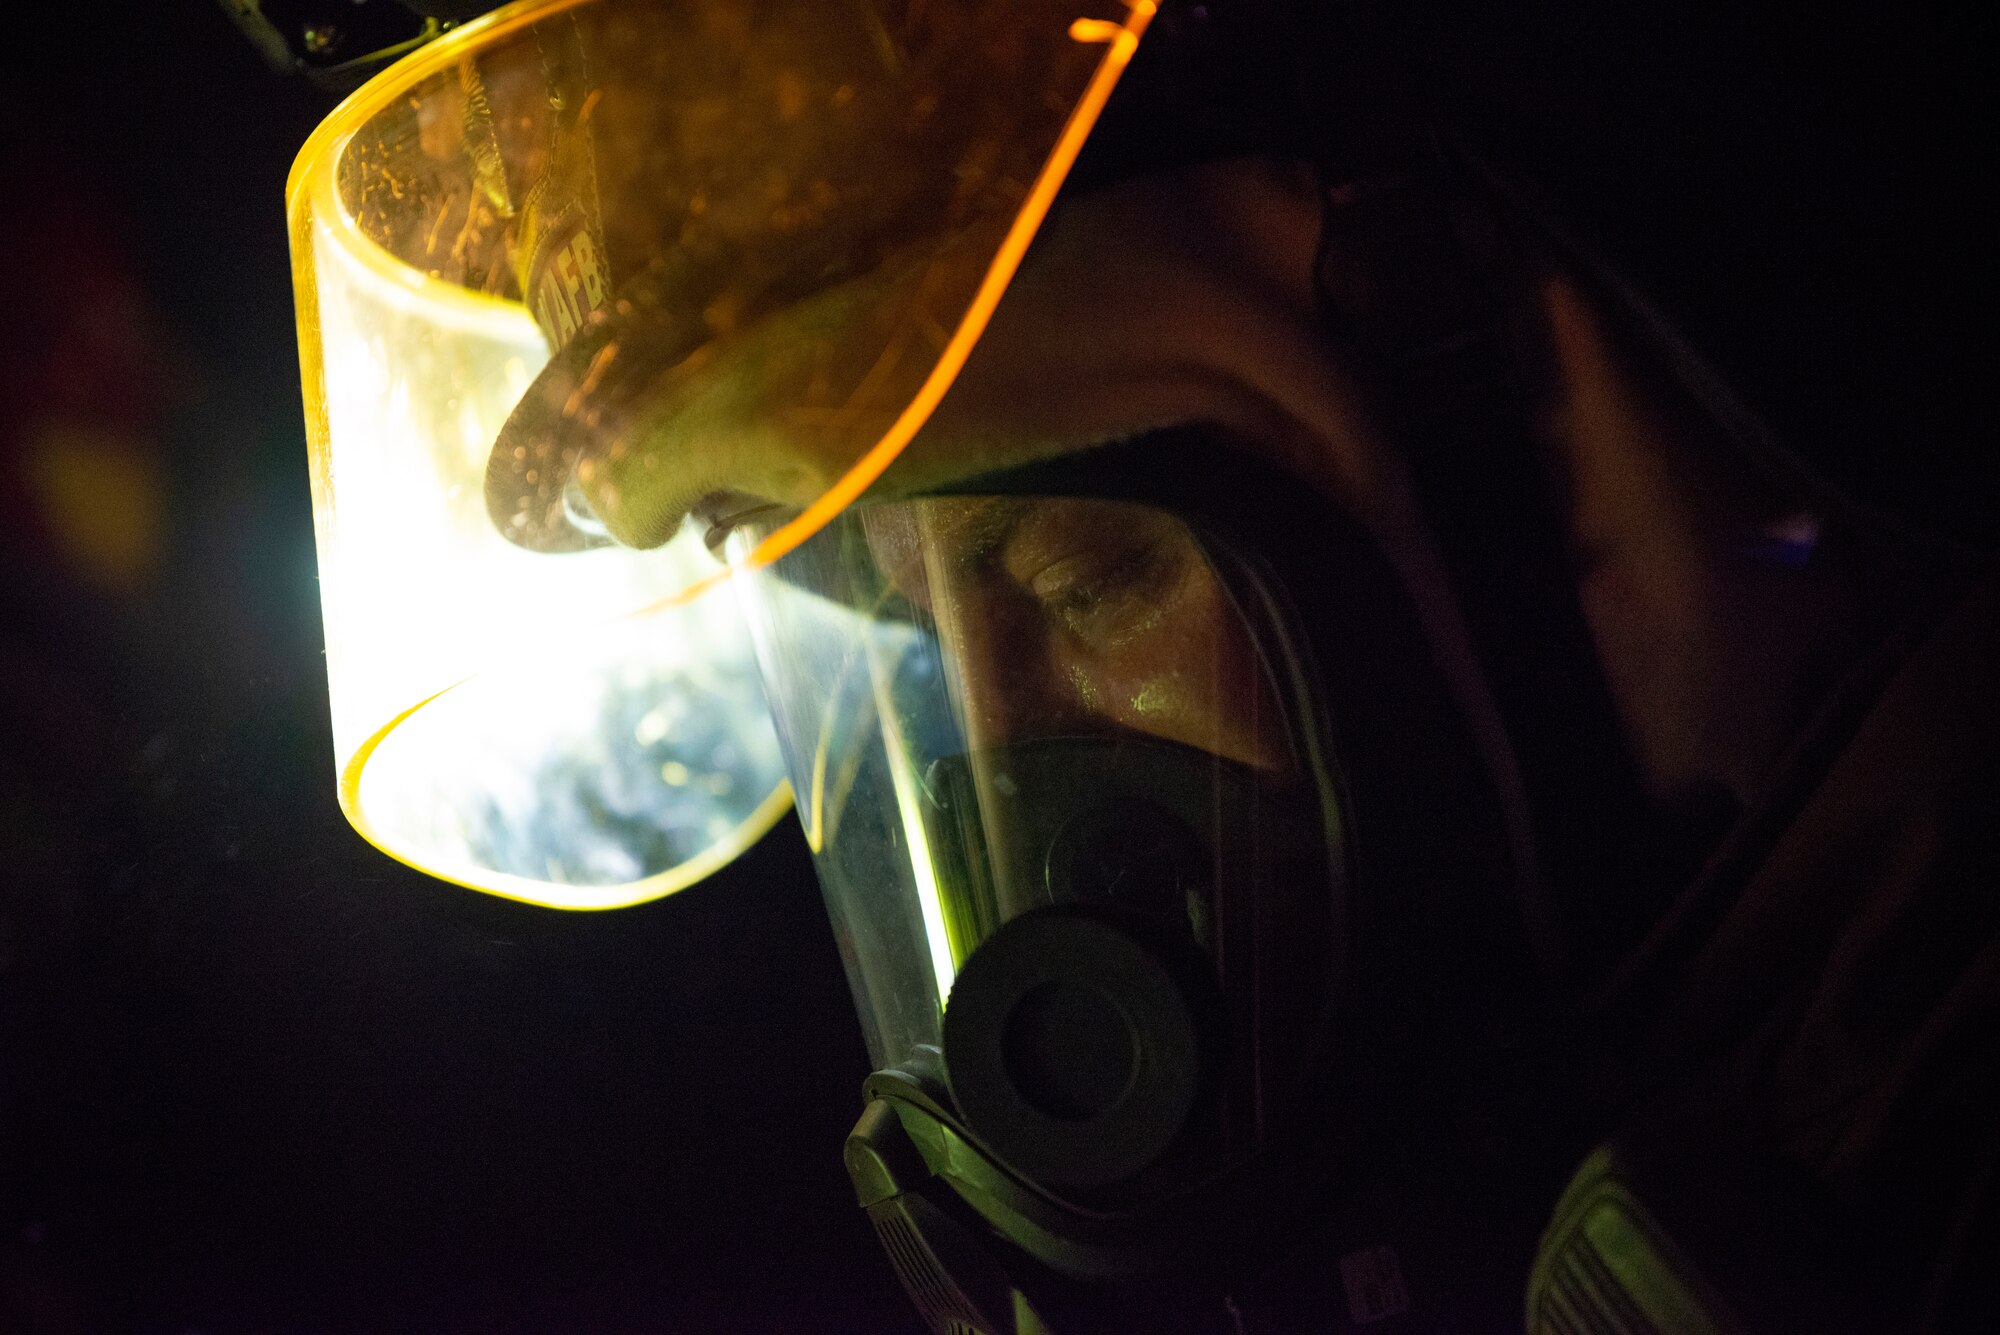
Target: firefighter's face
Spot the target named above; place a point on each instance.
(1070, 617)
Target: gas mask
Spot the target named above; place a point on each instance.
(1166, 878)
(1171, 911)
(1076, 821)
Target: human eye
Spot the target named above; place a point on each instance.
(1100, 576)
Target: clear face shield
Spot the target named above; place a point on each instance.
(575, 265)
(1065, 785)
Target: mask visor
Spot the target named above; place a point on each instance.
(992, 706)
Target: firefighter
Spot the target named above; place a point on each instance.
(1369, 614)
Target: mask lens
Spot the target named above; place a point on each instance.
(992, 706)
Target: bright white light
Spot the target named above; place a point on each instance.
(930, 898)
(552, 762)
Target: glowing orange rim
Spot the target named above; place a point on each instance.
(1120, 41)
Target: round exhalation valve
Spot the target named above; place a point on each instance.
(1073, 1046)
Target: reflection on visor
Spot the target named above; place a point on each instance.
(994, 704)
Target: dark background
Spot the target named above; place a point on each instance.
(254, 1076)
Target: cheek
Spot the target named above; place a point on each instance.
(1191, 678)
